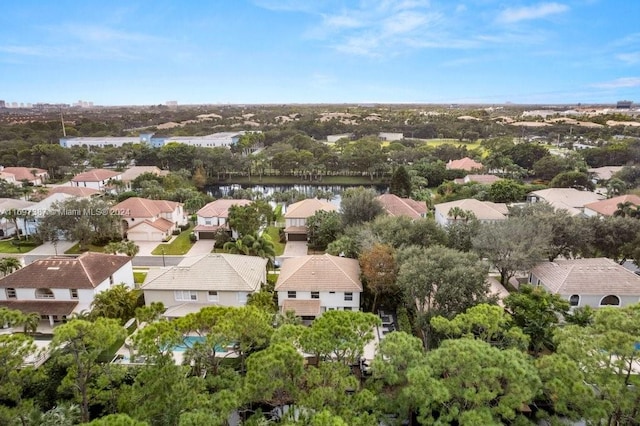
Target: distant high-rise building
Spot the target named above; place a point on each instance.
(624, 104)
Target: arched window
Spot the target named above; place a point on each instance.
(610, 300)
(44, 293)
(574, 300)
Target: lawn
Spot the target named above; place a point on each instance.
(179, 246)
(274, 233)
(138, 277)
(76, 249)
(7, 247)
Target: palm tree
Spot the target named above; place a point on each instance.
(30, 322)
(624, 209)
(112, 248)
(9, 265)
(12, 215)
(455, 213)
(253, 245)
(129, 248)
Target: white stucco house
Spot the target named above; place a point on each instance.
(149, 220)
(594, 282)
(18, 175)
(217, 279)
(59, 286)
(311, 285)
(214, 216)
(97, 179)
(569, 199)
(7, 226)
(297, 214)
(35, 213)
(483, 211)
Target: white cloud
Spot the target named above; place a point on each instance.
(629, 58)
(542, 10)
(623, 82)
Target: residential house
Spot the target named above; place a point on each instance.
(212, 279)
(33, 214)
(297, 215)
(609, 206)
(569, 199)
(149, 220)
(336, 138)
(18, 175)
(311, 285)
(129, 175)
(59, 286)
(593, 282)
(604, 173)
(214, 216)
(484, 211)
(396, 206)
(481, 179)
(391, 137)
(7, 226)
(465, 163)
(76, 191)
(99, 179)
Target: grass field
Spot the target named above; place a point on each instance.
(7, 247)
(179, 246)
(274, 233)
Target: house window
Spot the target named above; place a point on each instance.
(291, 295)
(242, 297)
(332, 292)
(74, 293)
(44, 293)
(348, 297)
(186, 296)
(574, 300)
(11, 293)
(610, 300)
(111, 280)
(315, 295)
(213, 296)
(207, 221)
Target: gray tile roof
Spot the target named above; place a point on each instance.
(215, 271)
(597, 276)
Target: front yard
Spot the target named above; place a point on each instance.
(91, 247)
(16, 247)
(178, 246)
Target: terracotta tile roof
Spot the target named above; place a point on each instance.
(307, 208)
(135, 171)
(295, 230)
(22, 173)
(319, 273)
(214, 271)
(396, 206)
(220, 208)
(306, 308)
(95, 175)
(42, 307)
(76, 191)
(609, 207)
(483, 210)
(597, 276)
(206, 228)
(85, 271)
(465, 163)
(136, 207)
(161, 224)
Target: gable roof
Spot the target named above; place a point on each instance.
(608, 207)
(483, 210)
(319, 273)
(135, 171)
(605, 172)
(307, 208)
(24, 173)
(160, 224)
(85, 271)
(220, 208)
(569, 199)
(136, 207)
(213, 271)
(596, 276)
(95, 175)
(13, 203)
(465, 163)
(396, 206)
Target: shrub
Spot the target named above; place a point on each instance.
(192, 237)
(176, 232)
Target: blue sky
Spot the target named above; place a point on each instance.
(320, 51)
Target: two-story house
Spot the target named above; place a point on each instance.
(19, 175)
(214, 216)
(297, 214)
(149, 220)
(59, 286)
(211, 279)
(311, 285)
(99, 179)
(594, 282)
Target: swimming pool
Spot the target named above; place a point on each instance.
(190, 341)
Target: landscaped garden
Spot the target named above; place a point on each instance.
(178, 246)
(14, 246)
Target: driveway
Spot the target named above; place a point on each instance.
(146, 247)
(201, 247)
(295, 249)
